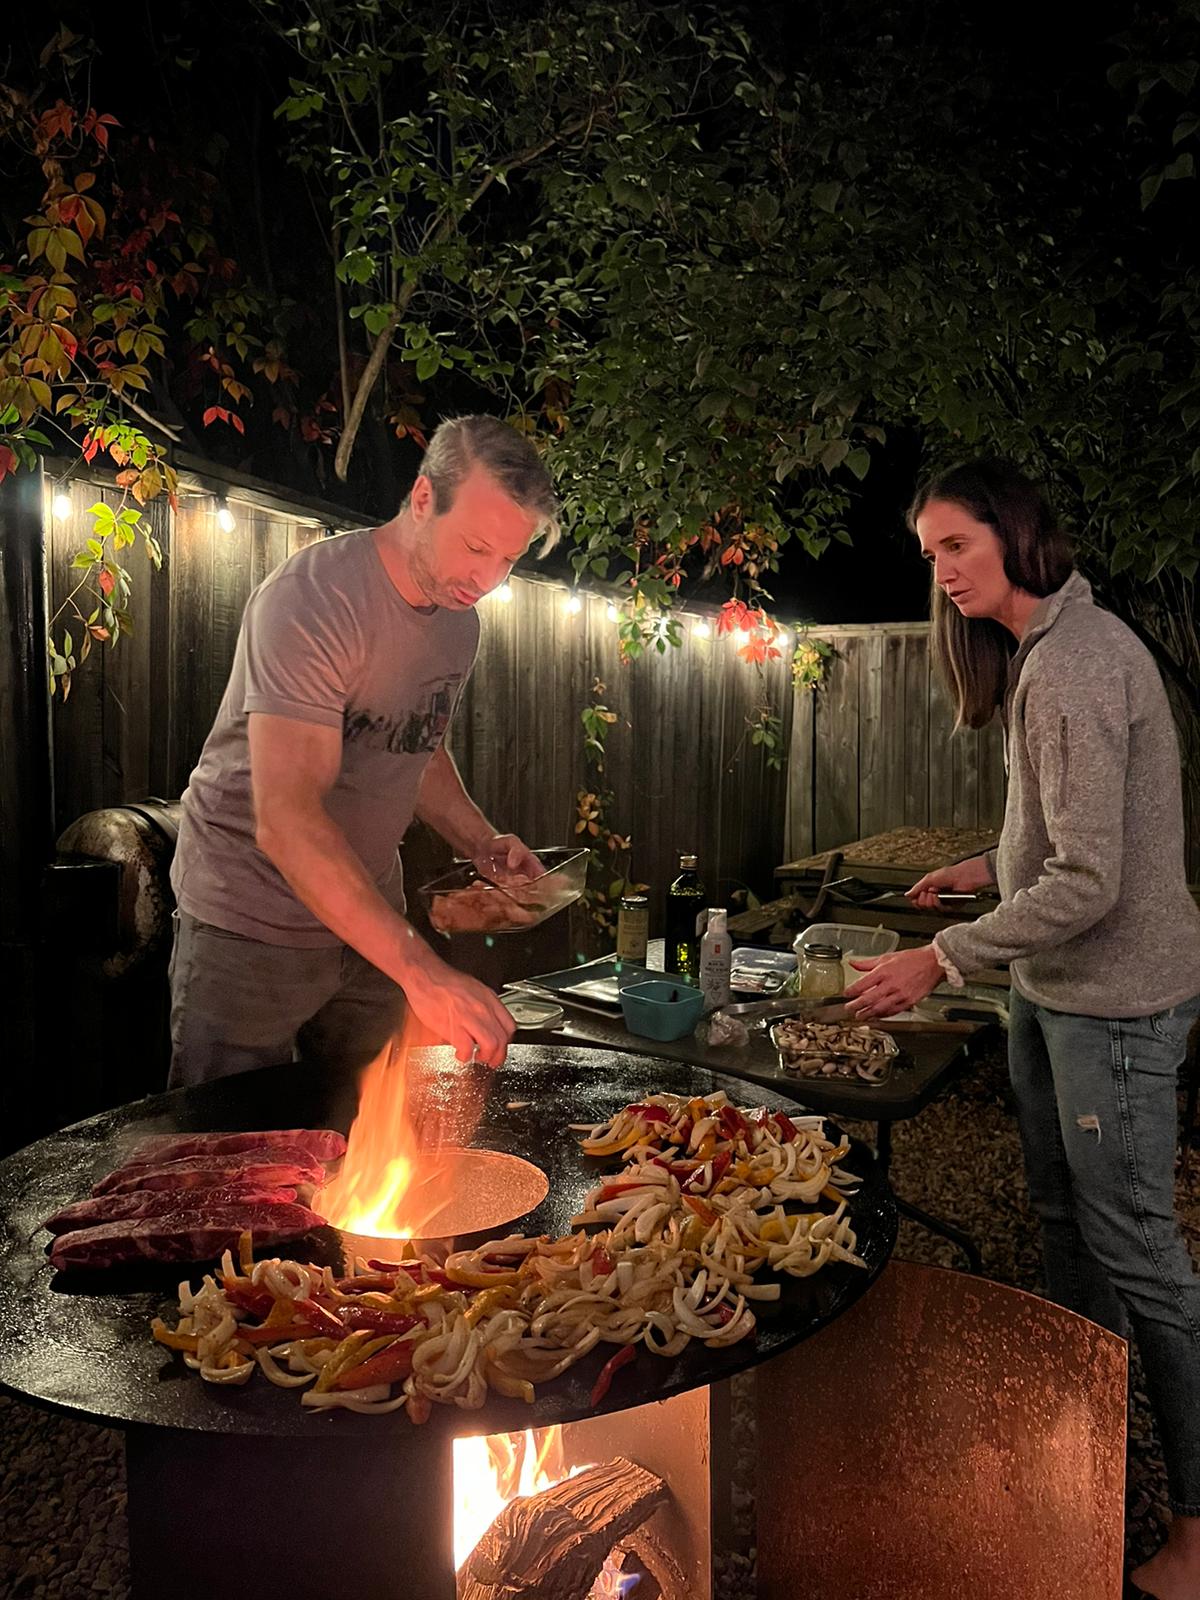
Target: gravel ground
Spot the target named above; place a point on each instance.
(62, 1490)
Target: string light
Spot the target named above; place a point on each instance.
(741, 638)
(572, 605)
(504, 592)
(783, 638)
(701, 629)
(226, 520)
(612, 613)
(62, 506)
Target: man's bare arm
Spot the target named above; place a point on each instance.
(293, 766)
(443, 803)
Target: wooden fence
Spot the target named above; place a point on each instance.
(874, 746)
(871, 749)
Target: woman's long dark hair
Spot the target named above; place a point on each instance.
(972, 653)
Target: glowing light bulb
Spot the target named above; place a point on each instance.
(62, 506)
(226, 520)
(612, 613)
(701, 629)
(504, 592)
(572, 605)
(741, 637)
(783, 639)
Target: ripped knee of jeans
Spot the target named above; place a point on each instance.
(1090, 1124)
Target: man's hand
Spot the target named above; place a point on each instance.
(504, 858)
(894, 982)
(962, 878)
(456, 1008)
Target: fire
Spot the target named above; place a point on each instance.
(491, 1472)
(374, 1193)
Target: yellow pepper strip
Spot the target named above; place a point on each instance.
(482, 1280)
(515, 1388)
(344, 1356)
(698, 1110)
(612, 1146)
(490, 1300)
(428, 1291)
(174, 1341)
(830, 1193)
(246, 1252)
(773, 1231)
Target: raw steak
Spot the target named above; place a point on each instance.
(157, 1202)
(180, 1235)
(280, 1167)
(323, 1143)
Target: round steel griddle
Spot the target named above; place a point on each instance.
(81, 1342)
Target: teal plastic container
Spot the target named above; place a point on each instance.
(661, 1008)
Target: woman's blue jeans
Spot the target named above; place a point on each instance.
(1096, 1104)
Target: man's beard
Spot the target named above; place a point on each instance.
(434, 591)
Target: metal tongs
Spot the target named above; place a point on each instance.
(831, 1008)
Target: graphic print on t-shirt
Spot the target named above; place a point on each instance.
(420, 732)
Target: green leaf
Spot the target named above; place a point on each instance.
(859, 462)
(825, 196)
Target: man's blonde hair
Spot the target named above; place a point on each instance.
(460, 443)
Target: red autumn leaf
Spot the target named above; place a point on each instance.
(106, 581)
(237, 422)
(8, 461)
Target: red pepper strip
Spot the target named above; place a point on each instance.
(256, 1301)
(786, 1126)
(324, 1321)
(720, 1162)
(763, 1117)
(610, 1368)
(381, 1321)
(701, 1207)
(385, 1366)
(367, 1283)
(650, 1113)
(733, 1122)
(725, 1314)
(418, 1270)
(283, 1333)
(611, 1190)
(601, 1262)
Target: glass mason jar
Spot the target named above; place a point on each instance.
(819, 973)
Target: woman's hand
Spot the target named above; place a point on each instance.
(893, 983)
(964, 877)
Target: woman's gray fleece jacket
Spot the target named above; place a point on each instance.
(1095, 914)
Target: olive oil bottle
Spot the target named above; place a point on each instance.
(685, 921)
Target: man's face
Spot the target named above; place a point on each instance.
(468, 551)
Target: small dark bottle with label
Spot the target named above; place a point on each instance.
(686, 910)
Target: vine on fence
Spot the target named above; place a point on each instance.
(608, 875)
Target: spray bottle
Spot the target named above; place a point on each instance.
(716, 958)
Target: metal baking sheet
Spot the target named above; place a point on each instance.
(592, 986)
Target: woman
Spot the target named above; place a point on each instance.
(1096, 922)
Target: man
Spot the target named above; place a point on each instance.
(291, 938)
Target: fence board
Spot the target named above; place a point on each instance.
(836, 818)
(940, 758)
(798, 833)
(916, 730)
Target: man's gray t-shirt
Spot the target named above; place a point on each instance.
(326, 638)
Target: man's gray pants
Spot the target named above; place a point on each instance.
(238, 1004)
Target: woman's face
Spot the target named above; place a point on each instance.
(967, 559)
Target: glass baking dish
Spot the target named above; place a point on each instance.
(463, 901)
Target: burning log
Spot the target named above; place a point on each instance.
(551, 1546)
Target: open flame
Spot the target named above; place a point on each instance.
(489, 1472)
(377, 1191)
